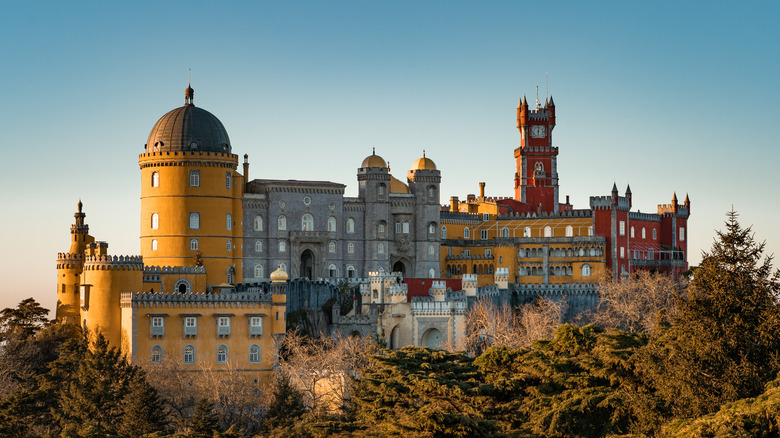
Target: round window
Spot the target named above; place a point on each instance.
(307, 200)
(332, 206)
(194, 145)
(281, 204)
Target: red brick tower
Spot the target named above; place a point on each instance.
(536, 179)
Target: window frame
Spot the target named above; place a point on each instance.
(194, 221)
(194, 177)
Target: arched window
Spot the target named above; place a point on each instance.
(222, 353)
(431, 192)
(443, 232)
(547, 231)
(332, 271)
(332, 224)
(259, 246)
(189, 354)
(254, 353)
(154, 245)
(228, 179)
(194, 220)
(590, 231)
(505, 232)
(157, 354)
(282, 246)
(194, 178)
(632, 232)
(569, 231)
(586, 270)
(307, 222)
(228, 221)
(155, 179)
(155, 221)
(655, 235)
(406, 227)
(258, 223)
(380, 248)
(258, 271)
(194, 244)
(229, 245)
(432, 228)
(182, 286)
(431, 273)
(380, 228)
(644, 233)
(431, 249)
(350, 248)
(350, 225)
(281, 223)
(397, 227)
(380, 189)
(527, 232)
(466, 233)
(332, 247)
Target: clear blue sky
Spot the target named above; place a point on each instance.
(667, 96)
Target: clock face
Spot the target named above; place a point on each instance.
(538, 131)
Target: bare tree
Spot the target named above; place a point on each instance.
(320, 368)
(488, 324)
(633, 303)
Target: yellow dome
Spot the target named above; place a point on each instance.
(424, 164)
(397, 186)
(279, 276)
(374, 160)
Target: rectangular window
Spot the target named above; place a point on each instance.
(622, 252)
(682, 234)
(488, 253)
(484, 234)
(228, 179)
(255, 326)
(485, 216)
(622, 228)
(228, 221)
(194, 178)
(158, 327)
(467, 252)
(229, 245)
(406, 227)
(223, 326)
(190, 326)
(398, 228)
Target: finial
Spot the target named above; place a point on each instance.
(80, 205)
(614, 187)
(674, 198)
(373, 151)
(189, 93)
(423, 153)
(538, 105)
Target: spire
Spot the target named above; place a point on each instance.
(674, 199)
(628, 189)
(80, 205)
(687, 201)
(551, 101)
(614, 188)
(525, 102)
(373, 151)
(423, 153)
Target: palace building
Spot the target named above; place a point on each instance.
(210, 287)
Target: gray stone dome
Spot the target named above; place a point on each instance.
(188, 128)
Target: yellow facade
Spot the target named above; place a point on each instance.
(550, 249)
(177, 185)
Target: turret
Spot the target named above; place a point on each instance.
(687, 203)
(628, 195)
(674, 202)
(522, 113)
(279, 299)
(551, 112)
(69, 268)
(246, 171)
(614, 194)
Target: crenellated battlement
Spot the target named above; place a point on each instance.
(605, 202)
(174, 270)
(174, 299)
(556, 289)
(113, 263)
(67, 260)
(421, 307)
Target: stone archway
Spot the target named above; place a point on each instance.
(399, 267)
(395, 338)
(432, 338)
(307, 264)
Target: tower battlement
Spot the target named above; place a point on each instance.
(113, 263)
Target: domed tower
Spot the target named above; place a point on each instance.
(191, 208)
(424, 181)
(69, 268)
(374, 189)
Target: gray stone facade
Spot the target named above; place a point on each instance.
(312, 230)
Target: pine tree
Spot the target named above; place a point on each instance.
(724, 343)
(142, 410)
(204, 420)
(286, 405)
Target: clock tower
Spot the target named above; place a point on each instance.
(536, 178)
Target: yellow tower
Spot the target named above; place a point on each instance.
(191, 209)
(69, 268)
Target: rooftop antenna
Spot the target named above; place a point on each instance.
(547, 86)
(537, 98)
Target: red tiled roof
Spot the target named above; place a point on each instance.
(418, 287)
